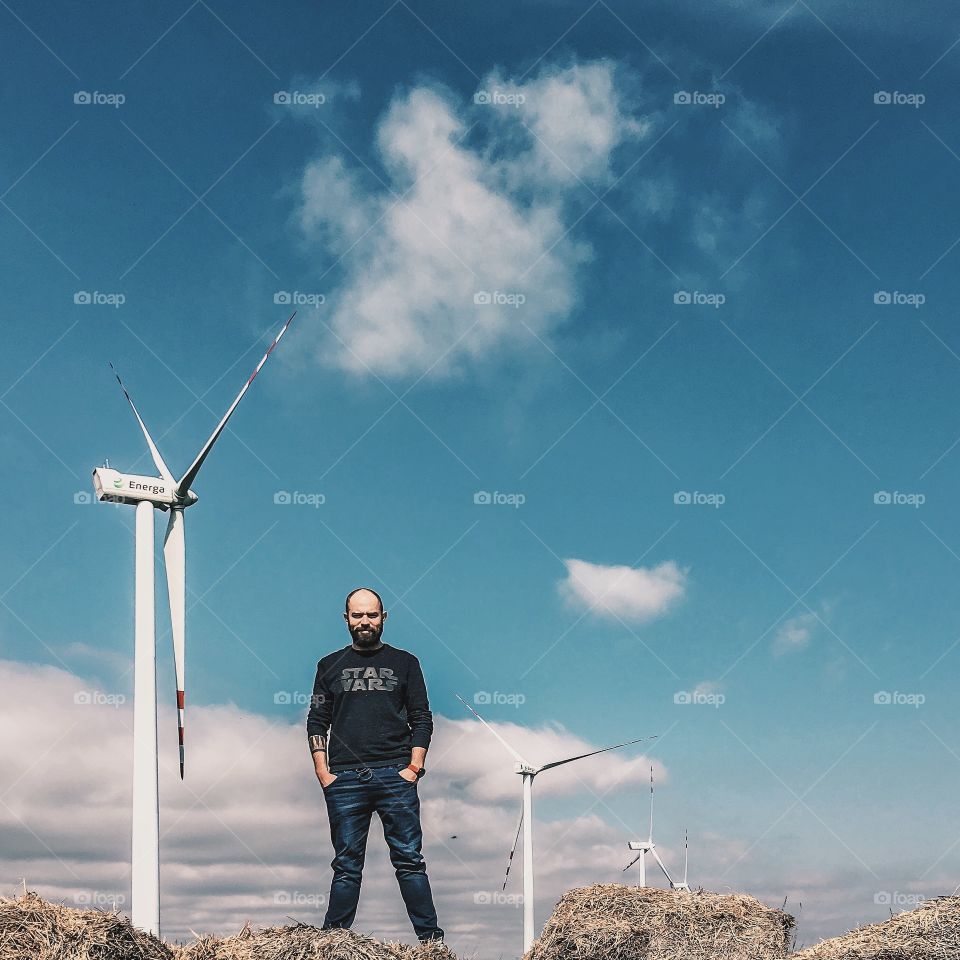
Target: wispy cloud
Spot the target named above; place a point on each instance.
(794, 634)
(636, 594)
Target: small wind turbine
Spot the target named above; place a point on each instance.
(148, 494)
(528, 772)
(643, 847)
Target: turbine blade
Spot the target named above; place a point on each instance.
(633, 861)
(686, 850)
(616, 746)
(174, 557)
(184, 485)
(656, 855)
(154, 452)
(513, 850)
(514, 753)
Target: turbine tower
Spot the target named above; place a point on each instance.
(527, 771)
(683, 885)
(643, 847)
(148, 494)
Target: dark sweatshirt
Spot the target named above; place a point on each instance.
(376, 703)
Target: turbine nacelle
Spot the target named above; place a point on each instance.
(112, 486)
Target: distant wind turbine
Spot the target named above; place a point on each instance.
(528, 772)
(148, 494)
(643, 847)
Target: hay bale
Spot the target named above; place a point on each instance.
(34, 928)
(301, 941)
(930, 932)
(610, 921)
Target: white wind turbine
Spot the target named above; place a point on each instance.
(148, 494)
(528, 772)
(643, 847)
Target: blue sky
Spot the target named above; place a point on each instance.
(543, 159)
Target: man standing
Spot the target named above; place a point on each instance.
(374, 697)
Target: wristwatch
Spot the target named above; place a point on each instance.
(419, 771)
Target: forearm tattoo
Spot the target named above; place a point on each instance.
(318, 743)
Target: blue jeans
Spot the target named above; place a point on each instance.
(351, 800)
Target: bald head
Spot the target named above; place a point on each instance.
(365, 616)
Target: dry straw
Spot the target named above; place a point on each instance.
(931, 932)
(602, 922)
(616, 922)
(32, 928)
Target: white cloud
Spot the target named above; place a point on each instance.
(458, 218)
(794, 634)
(633, 594)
